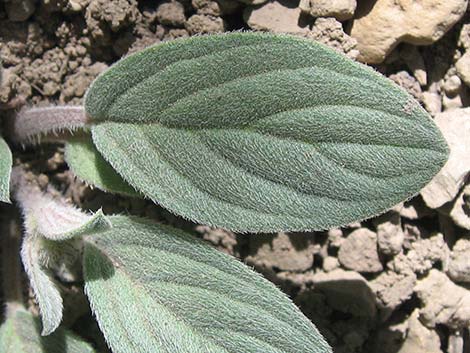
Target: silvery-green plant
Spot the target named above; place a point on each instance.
(251, 132)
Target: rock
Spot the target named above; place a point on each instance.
(253, 2)
(275, 16)
(444, 187)
(335, 237)
(415, 62)
(390, 235)
(76, 85)
(460, 212)
(443, 301)
(459, 264)
(421, 257)
(330, 263)
(415, 209)
(464, 37)
(286, 252)
(346, 291)
(392, 289)
(379, 26)
(419, 338)
(171, 14)
(452, 85)
(463, 68)
(19, 10)
(359, 252)
(205, 24)
(342, 10)
(408, 82)
(215, 8)
(330, 32)
(432, 99)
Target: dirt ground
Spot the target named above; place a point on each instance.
(396, 283)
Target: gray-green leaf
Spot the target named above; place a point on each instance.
(88, 164)
(262, 132)
(5, 170)
(156, 289)
(20, 334)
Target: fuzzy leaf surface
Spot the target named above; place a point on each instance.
(262, 132)
(88, 164)
(5, 170)
(20, 334)
(157, 289)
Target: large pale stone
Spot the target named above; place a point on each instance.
(275, 16)
(455, 126)
(380, 25)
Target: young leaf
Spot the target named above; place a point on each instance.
(262, 132)
(156, 289)
(20, 334)
(5, 170)
(88, 164)
(48, 221)
(45, 290)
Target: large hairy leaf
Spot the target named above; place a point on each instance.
(262, 132)
(156, 289)
(5, 170)
(20, 334)
(88, 164)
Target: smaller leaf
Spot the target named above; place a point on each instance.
(45, 290)
(156, 289)
(87, 163)
(5, 170)
(52, 218)
(20, 334)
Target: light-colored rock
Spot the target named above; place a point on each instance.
(408, 82)
(420, 339)
(459, 263)
(19, 10)
(415, 62)
(452, 85)
(422, 255)
(205, 24)
(171, 14)
(287, 252)
(330, 32)
(359, 252)
(464, 37)
(443, 301)
(463, 68)
(455, 126)
(330, 263)
(335, 237)
(390, 235)
(392, 289)
(460, 212)
(275, 16)
(346, 291)
(432, 99)
(379, 26)
(253, 2)
(340, 9)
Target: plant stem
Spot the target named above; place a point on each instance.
(30, 125)
(12, 276)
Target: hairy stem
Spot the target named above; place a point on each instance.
(50, 123)
(12, 276)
